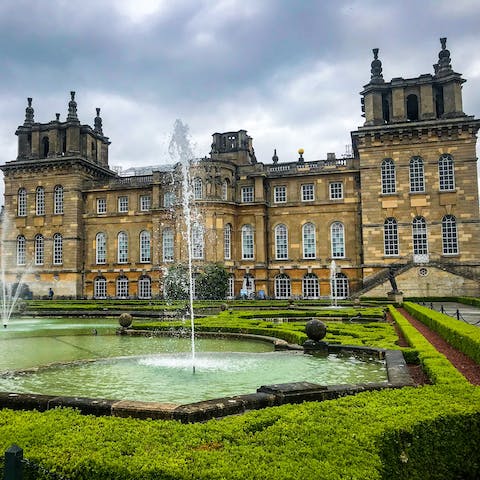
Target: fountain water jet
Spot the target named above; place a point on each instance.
(180, 149)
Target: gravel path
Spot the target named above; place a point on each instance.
(465, 365)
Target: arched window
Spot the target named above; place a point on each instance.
(446, 173)
(449, 235)
(310, 286)
(388, 176)
(198, 242)
(248, 285)
(122, 287)
(57, 249)
(101, 248)
(281, 242)
(419, 236)
(412, 107)
(197, 188)
(390, 237)
(40, 201)
(247, 242)
(282, 286)
(338, 240)
(45, 147)
(341, 289)
(58, 200)
(145, 287)
(145, 247)
(417, 178)
(167, 245)
(122, 253)
(309, 241)
(100, 287)
(22, 202)
(21, 250)
(227, 242)
(39, 250)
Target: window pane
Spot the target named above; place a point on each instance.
(227, 242)
(167, 243)
(247, 242)
(101, 248)
(309, 243)
(446, 173)
(281, 242)
(390, 237)
(449, 235)
(417, 181)
(338, 240)
(388, 176)
(57, 249)
(145, 247)
(58, 200)
(122, 247)
(22, 203)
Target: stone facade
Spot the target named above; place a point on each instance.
(406, 199)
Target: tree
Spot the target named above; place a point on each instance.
(212, 282)
(176, 283)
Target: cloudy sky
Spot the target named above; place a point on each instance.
(287, 71)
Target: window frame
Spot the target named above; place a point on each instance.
(168, 242)
(337, 241)
(21, 250)
(248, 242)
(144, 287)
(308, 192)
(22, 202)
(283, 286)
(39, 249)
(122, 204)
(449, 235)
(309, 246)
(416, 170)
(145, 203)
(101, 248)
(388, 176)
(145, 242)
(58, 249)
(58, 204)
(40, 201)
(390, 237)
(122, 247)
(310, 283)
(281, 242)
(446, 173)
(280, 194)
(100, 288)
(227, 242)
(335, 190)
(101, 205)
(419, 236)
(248, 194)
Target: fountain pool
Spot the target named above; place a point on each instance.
(62, 357)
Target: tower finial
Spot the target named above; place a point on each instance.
(98, 122)
(376, 69)
(443, 66)
(72, 109)
(29, 112)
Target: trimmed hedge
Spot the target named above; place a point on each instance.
(460, 335)
(373, 435)
(436, 366)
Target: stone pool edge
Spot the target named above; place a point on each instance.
(265, 396)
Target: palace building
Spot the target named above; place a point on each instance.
(404, 206)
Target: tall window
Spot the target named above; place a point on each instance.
(100, 287)
(449, 235)
(338, 240)
(247, 194)
(123, 204)
(58, 200)
(40, 201)
(197, 241)
(282, 286)
(417, 178)
(280, 194)
(167, 245)
(308, 192)
(145, 247)
(145, 287)
(231, 287)
(310, 286)
(122, 253)
(309, 241)
(390, 237)
(336, 190)
(168, 199)
(247, 242)
(227, 242)
(145, 201)
(101, 248)
(388, 176)
(225, 190)
(446, 173)
(22, 202)
(21, 250)
(197, 189)
(39, 250)
(281, 242)
(57, 249)
(419, 234)
(101, 205)
(122, 287)
(341, 289)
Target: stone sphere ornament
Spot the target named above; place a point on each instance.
(125, 320)
(315, 329)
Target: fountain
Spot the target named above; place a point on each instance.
(10, 292)
(333, 284)
(180, 150)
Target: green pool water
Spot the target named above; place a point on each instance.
(155, 368)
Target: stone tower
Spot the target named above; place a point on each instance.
(418, 170)
(43, 214)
